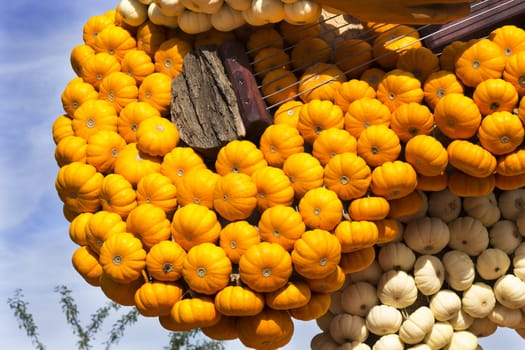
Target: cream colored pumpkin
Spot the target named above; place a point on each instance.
(133, 12)
(484, 208)
(264, 11)
(427, 235)
(505, 235)
(371, 274)
(323, 322)
(440, 335)
(478, 300)
(354, 346)
(396, 256)
(444, 205)
(227, 19)
(420, 347)
(462, 340)
(518, 261)
(509, 291)
(203, 6)
(323, 341)
(505, 317)
(156, 16)
(346, 327)
(170, 8)
(459, 269)
(511, 203)
(461, 321)
(383, 319)
(239, 5)
(482, 327)
(417, 325)
(520, 222)
(468, 235)
(445, 304)
(492, 263)
(336, 305)
(429, 274)
(389, 342)
(302, 12)
(357, 298)
(194, 22)
(397, 289)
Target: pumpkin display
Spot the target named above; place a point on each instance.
(384, 202)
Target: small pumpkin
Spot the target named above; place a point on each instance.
(316, 116)
(114, 40)
(481, 60)
(281, 224)
(150, 36)
(429, 274)
(427, 155)
(122, 257)
(355, 235)
(236, 237)
(70, 149)
(93, 116)
(331, 283)
(495, 95)
(273, 187)
(515, 70)
(468, 235)
(177, 163)
(279, 85)
(383, 319)
(331, 142)
(134, 165)
(278, 142)
(76, 92)
(352, 90)
(464, 185)
(239, 301)
(269, 329)
(358, 260)
(420, 61)
(373, 76)
(397, 288)
(156, 136)
(444, 205)
(164, 261)
(239, 156)
(270, 58)
(512, 163)
(410, 207)
(439, 84)
(234, 196)
(385, 182)
(345, 327)
(348, 175)
(457, 116)
(102, 149)
(193, 313)
(372, 208)
(85, 262)
(148, 223)
(509, 38)
(288, 113)
(417, 325)
(155, 89)
(399, 87)
(470, 158)
(321, 208)
(451, 52)
(131, 116)
(304, 171)
(484, 208)
(192, 22)
(62, 128)
(316, 254)
(320, 81)
(117, 195)
(93, 26)
(120, 293)
(478, 300)
(316, 307)
(427, 235)
(445, 304)
(501, 132)
(390, 43)
(157, 298)
(77, 228)
(265, 267)
(198, 187)
(157, 189)
(353, 57)
(98, 66)
(194, 224)
(411, 119)
(78, 54)
(364, 112)
(308, 52)
(293, 295)
(460, 270)
(137, 64)
(396, 256)
(378, 144)
(492, 263)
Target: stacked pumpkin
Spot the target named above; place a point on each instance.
(199, 16)
(265, 233)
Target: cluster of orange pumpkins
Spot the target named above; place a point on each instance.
(242, 244)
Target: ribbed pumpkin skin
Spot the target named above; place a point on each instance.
(470, 158)
(457, 116)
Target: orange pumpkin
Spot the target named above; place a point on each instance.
(164, 261)
(273, 187)
(450, 54)
(331, 142)
(62, 128)
(137, 64)
(117, 195)
(464, 185)
(471, 158)
(101, 226)
(157, 298)
(369, 208)
(236, 237)
(373, 76)
(393, 179)
(352, 90)
(308, 52)
(234, 196)
(93, 26)
(501, 132)
(77, 56)
(77, 228)
(406, 208)
(239, 156)
(389, 44)
(495, 95)
(278, 142)
(481, 60)
(278, 86)
(292, 295)
(98, 66)
(510, 38)
(353, 57)
(316, 116)
(457, 116)
(321, 208)
(411, 119)
(170, 54)
(420, 61)
(134, 165)
(512, 163)
(265, 267)
(304, 171)
(155, 89)
(120, 293)
(194, 224)
(263, 37)
(432, 183)
(148, 223)
(378, 144)
(76, 92)
(150, 36)
(93, 116)
(293, 33)
(70, 149)
(364, 112)
(269, 329)
(320, 81)
(102, 149)
(131, 116)
(356, 234)
(317, 307)
(427, 155)
(177, 163)
(331, 283)
(85, 262)
(509, 183)
(269, 59)
(239, 301)
(114, 40)
(514, 71)
(388, 230)
(196, 312)
(348, 175)
(288, 113)
(157, 189)
(281, 224)
(316, 254)
(357, 260)
(398, 87)
(439, 84)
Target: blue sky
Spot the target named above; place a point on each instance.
(35, 42)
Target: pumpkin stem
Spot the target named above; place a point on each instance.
(146, 277)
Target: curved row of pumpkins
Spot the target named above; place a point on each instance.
(269, 232)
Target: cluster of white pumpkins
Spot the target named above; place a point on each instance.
(455, 273)
(198, 16)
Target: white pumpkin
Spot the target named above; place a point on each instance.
(239, 5)
(264, 11)
(346, 327)
(509, 291)
(323, 341)
(479, 300)
(459, 268)
(397, 288)
(417, 325)
(357, 298)
(396, 256)
(440, 335)
(389, 342)
(511, 202)
(336, 306)
(429, 274)
(227, 19)
(146, 2)
(484, 208)
(444, 205)
(371, 274)
(354, 346)
(518, 261)
(194, 22)
(505, 317)
(461, 321)
(302, 12)
(323, 322)
(158, 18)
(445, 304)
(505, 235)
(462, 340)
(482, 327)
(203, 6)
(468, 235)
(520, 222)
(426, 235)
(420, 347)
(383, 319)
(133, 12)
(170, 7)
(492, 263)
